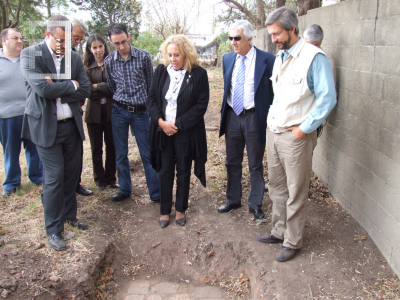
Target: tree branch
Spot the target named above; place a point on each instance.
(16, 21)
(236, 5)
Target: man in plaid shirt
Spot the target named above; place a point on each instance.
(129, 74)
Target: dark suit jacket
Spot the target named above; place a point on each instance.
(263, 92)
(97, 75)
(192, 105)
(40, 118)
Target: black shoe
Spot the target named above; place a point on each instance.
(155, 200)
(82, 191)
(57, 242)
(7, 193)
(78, 224)
(181, 222)
(114, 186)
(286, 254)
(228, 207)
(119, 197)
(258, 213)
(268, 238)
(164, 223)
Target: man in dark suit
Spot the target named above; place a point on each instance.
(53, 121)
(247, 97)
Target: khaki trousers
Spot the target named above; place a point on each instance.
(289, 171)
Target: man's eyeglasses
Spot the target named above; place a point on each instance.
(236, 38)
(123, 43)
(77, 38)
(58, 40)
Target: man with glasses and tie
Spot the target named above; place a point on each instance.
(55, 81)
(247, 97)
(129, 72)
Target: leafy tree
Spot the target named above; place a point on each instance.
(10, 13)
(148, 42)
(106, 12)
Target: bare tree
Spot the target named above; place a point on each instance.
(164, 18)
(257, 15)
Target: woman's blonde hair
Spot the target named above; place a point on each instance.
(186, 48)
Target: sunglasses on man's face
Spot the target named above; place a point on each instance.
(236, 38)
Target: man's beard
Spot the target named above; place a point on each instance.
(286, 44)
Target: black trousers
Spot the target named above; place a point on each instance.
(102, 176)
(242, 131)
(172, 155)
(62, 166)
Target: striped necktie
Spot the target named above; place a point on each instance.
(239, 88)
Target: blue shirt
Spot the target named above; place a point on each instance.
(129, 79)
(320, 82)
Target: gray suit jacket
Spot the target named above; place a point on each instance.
(40, 118)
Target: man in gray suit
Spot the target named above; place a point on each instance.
(53, 121)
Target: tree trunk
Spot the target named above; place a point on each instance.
(306, 5)
(48, 5)
(4, 14)
(261, 13)
(280, 3)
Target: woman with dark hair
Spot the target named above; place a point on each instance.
(98, 113)
(177, 101)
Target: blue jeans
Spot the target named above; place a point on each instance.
(121, 119)
(10, 138)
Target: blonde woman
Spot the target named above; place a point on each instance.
(177, 102)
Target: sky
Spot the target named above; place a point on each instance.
(200, 14)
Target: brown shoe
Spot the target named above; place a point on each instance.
(286, 254)
(268, 238)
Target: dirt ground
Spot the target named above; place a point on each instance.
(125, 242)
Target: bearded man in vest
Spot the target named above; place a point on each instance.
(304, 94)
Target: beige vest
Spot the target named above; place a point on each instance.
(293, 99)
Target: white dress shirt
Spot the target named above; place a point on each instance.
(63, 110)
(248, 92)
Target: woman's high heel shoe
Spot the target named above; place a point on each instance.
(164, 223)
(181, 222)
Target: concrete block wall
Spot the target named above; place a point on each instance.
(358, 155)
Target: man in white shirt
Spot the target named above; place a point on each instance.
(247, 97)
(53, 121)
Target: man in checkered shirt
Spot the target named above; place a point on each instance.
(129, 74)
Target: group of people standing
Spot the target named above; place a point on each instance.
(269, 102)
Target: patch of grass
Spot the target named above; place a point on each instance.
(16, 243)
(32, 208)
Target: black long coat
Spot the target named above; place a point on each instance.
(192, 105)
